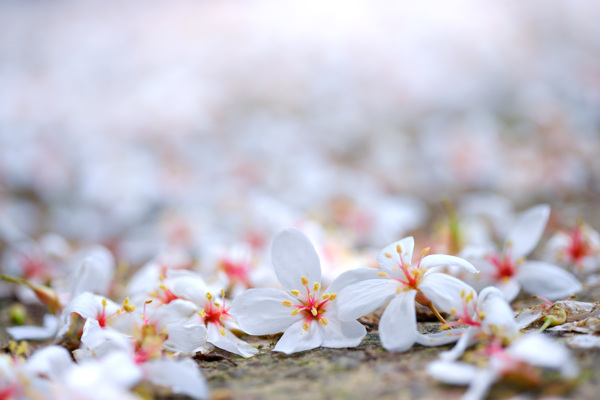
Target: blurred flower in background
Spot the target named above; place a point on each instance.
(203, 125)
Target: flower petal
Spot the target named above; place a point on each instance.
(185, 337)
(538, 350)
(86, 305)
(440, 338)
(261, 312)
(445, 291)
(294, 256)
(465, 340)
(510, 288)
(398, 324)
(296, 339)
(528, 316)
(353, 276)
(444, 261)
(45, 332)
(361, 298)
(451, 372)
(338, 333)
(527, 232)
(182, 376)
(389, 258)
(547, 280)
(498, 317)
(228, 341)
(173, 312)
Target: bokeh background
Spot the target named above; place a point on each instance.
(143, 124)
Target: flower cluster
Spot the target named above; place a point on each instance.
(173, 308)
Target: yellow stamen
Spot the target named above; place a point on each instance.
(202, 313)
(127, 306)
(332, 296)
(305, 326)
(287, 303)
(295, 311)
(325, 296)
(222, 293)
(462, 294)
(425, 251)
(314, 312)
(222, 331)
(163, 287)
(382, 273)
(209, 296)
(388, 255)
(323, 321)
(217, 304)
(469, 297)
(316, 286)
(398, 249)
(295, 292)
(304, 280)
(148, 302)
(104, 302)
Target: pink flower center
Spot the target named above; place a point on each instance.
(215, 313)
(505, 266)
(236, 271)
(578, 248)
(312, 307)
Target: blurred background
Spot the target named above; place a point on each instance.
(144, 124)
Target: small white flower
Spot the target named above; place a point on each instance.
(306, 313)
(406, 284)
(529, 351)
(579, 248)
(510, 271)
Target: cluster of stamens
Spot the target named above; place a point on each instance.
(310, 305)
(215, 312)
(412, 274)
(466, 318)
(126, 307)
(578, 248)
(506, 268)
(236, 271)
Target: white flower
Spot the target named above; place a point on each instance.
(579, 247)
(531, 350)
(306, 313)
(406, 284)
(493, 318)
(509, 271)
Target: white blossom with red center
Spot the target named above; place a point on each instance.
(521, 359)
(579, 248)
(405, 284)
(509, 270)
(490, 319)
(306, 314)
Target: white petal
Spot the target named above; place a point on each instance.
(185, 337)
(528, 317)
(498, 316)
(465, 340)
(86, 305)
(361, 298)
(296, 339)
(261, 312)
(539, 350)
(182, 376)
(445, 291)
(443, 261)
(480, 385)
(45, 332)
(229, 342)
(440, 338)
(294, 256)
(94, 272)
(510, 288)
(101, 341)
(547, 280)
(528, 231)
(189, 287)
(52, 361)
(353, 276)
(173, 312)
(454, 373)
(389, 258)
(339, 334)
(398, 324)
